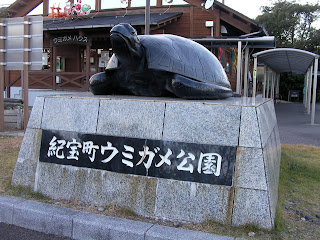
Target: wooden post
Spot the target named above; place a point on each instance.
(26, 46)
(98, 5)
(54, 67)
(87, 66)
(7, 83)
(45, 7)
(1, 75)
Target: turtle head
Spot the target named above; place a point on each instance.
(125, 43)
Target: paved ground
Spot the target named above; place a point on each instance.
(11, 232)
(294, 124)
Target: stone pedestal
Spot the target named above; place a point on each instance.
(247, 127)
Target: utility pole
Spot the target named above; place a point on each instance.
(147, 18)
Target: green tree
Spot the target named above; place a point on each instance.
(4, 12)
(292, 24)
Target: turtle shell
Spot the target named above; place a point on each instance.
(183, 56)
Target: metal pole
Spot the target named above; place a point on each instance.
(272, 85)
(305, 90)
(238, 89)
(246, 64)
(315, 79)
(268, 82)
(307, 87)
(1, 75)
(254, 89)
(278, 85)
(147, 18)
(264, 81)
(309, 91)
(26, 46)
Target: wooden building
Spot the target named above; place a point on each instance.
(76, 48)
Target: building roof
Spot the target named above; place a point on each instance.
(251, 42)
(108, 21)
(287, 59)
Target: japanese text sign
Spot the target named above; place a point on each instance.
(154, 158)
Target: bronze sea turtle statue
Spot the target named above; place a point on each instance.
(160, 65)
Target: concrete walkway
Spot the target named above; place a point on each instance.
(294, 124)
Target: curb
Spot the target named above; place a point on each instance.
(13, 133)
(51, 219)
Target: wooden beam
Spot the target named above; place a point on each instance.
(191, 21)
(21, 8)
(235, 22)
(45, 7)
(159, 3)
(98, 5)
(217, 26)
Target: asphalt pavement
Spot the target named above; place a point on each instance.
(12, 232)
(295, 124)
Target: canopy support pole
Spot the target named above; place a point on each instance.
(305, 90)
(268, 82)
(315, 79)
(254, 87)
(309, 90)
(264, 81)
(272, 84)
(278, 86)
(238, 88)
(245, 79)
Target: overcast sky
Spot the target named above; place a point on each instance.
(250, 8)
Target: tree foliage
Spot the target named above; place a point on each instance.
(292, 24)
(4, 12)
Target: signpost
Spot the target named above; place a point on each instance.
(21, 41)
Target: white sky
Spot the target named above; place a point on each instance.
(250, 8)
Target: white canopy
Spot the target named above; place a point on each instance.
(287, 60)
(297, 61)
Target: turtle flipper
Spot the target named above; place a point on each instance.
(104, 83)
(190, 89)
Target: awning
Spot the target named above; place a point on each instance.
(251, 42)
(287, 59)
(156, 19)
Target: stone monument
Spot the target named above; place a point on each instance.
(167, 158)
(161, 157)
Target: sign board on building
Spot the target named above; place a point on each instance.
(70, 39)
